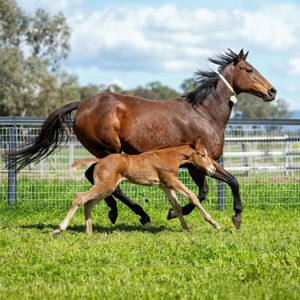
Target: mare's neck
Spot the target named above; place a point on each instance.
(218, 102)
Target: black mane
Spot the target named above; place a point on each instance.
(206, 80)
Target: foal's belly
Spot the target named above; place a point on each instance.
(142, 177)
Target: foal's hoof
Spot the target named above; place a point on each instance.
(113, 215)
(217, 226)
(171, 214)
(56, 231)
(145, 221)
(237, 221)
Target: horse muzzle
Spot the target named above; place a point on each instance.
(210, 171)
(270, 96)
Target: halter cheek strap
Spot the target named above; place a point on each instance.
(233, 98)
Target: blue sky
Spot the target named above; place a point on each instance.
(132, 43)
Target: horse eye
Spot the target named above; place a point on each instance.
(249, 71)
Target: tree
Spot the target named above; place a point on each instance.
(155, 91)
(88, 91)
(251, 107)
(187, 85)
(31, 51)
(93, 89)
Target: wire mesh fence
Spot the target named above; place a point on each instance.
(264, 156)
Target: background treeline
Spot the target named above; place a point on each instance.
(33, 82)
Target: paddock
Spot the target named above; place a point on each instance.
(264, 155)
(128, 261)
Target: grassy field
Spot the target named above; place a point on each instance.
(128, 261)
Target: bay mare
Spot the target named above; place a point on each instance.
(110, 123)
(154, 168)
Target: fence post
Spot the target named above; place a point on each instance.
(286, 158)
(221, 188)
(12, 170)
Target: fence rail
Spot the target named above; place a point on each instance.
(264, 155)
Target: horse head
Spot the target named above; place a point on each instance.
(200, 158)
(247, 79)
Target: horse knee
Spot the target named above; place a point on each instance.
(78, 201)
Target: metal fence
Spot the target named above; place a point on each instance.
(264, 155)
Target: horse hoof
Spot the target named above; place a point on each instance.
(112, 215)
(217, 226)
(171, 214)
(145, 221)
(237, 221)
(56, 231)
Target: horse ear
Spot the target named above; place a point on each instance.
(196, 142)
(245, 55)
(193, 144)
(241, 55)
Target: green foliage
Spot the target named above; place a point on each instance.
(187, 85)
(31, 50)
(155, 91)
(251, 107)
(128, 261)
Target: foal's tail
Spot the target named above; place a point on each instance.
(55, 130)
(84, 162)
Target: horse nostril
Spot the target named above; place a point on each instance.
(272, 92)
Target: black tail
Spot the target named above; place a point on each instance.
(55, 130)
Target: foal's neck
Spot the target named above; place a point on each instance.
(182, 154)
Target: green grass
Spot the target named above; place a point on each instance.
(128, 261)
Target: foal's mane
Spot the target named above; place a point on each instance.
(206, 80)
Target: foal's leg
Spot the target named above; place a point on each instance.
(88, 206)
(185, 192)
(199, 179)
(80, 199)
(110, 201)
(171, 195)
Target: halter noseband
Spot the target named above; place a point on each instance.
(233, 98)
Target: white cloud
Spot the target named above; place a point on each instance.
(170, 38)
(273, 32)
(167, 39)
(119, 83)
(294, 64)
(162, 37)
(50, 6)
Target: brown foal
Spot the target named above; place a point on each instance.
(154, 168)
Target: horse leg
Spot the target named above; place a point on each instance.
(110, 201)
(80, 199)
(171, 195)
(137, 209)
(199, 179)
(178, 186)
(223, 175)
(88, 206)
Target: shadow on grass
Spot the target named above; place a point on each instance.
(102, 229)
